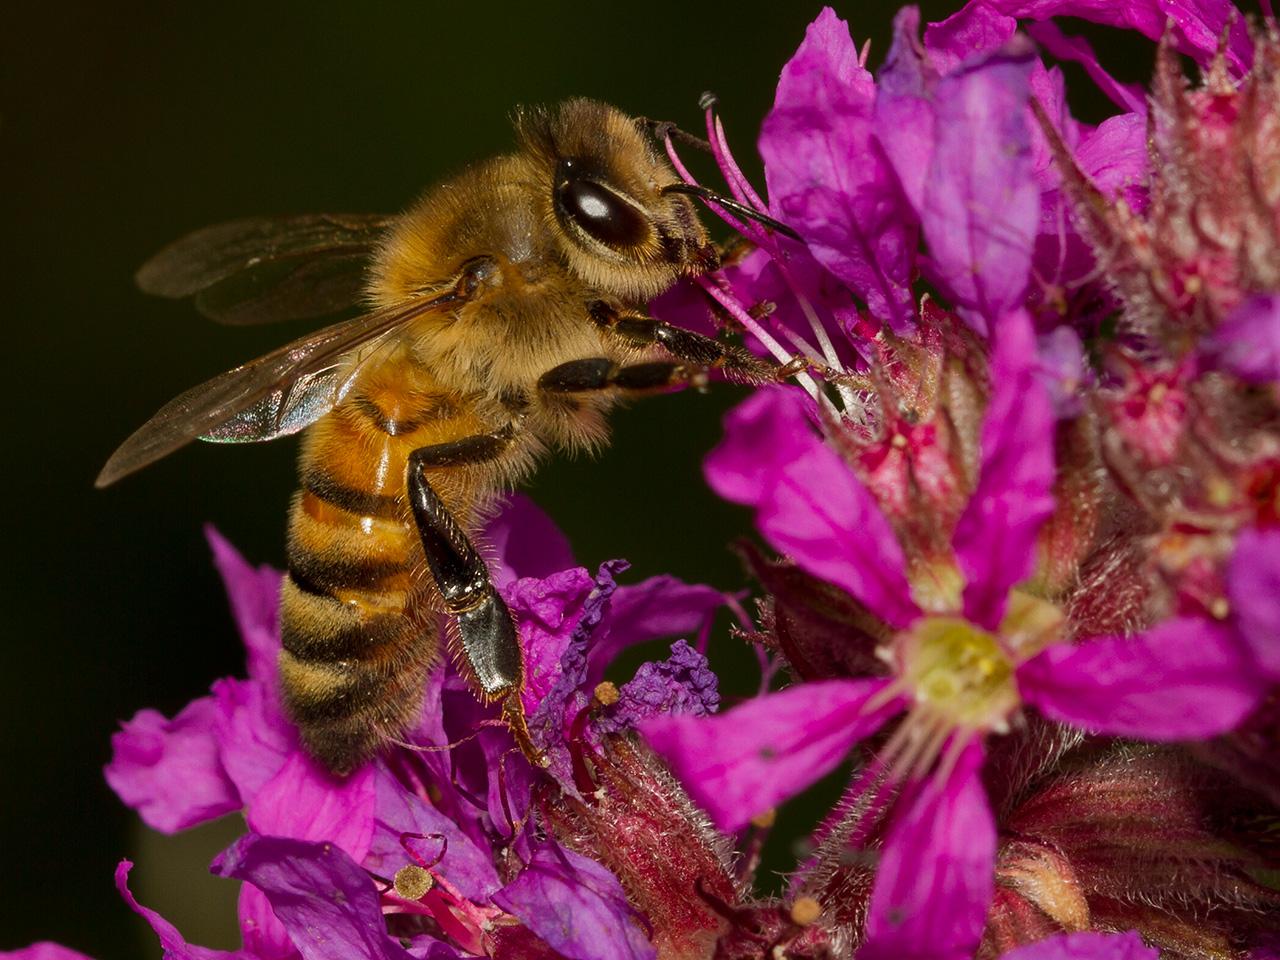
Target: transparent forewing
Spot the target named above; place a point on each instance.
(266, 269)
(264, 391)
(283, 411)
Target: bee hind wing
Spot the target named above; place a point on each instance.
(268, 269)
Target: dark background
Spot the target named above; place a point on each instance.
(123, 126)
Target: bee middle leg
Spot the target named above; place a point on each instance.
(485, 627)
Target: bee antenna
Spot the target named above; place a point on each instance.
(741, 209)
(661, 129)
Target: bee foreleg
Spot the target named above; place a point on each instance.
(600, 373)
(739, 365)
(485, 628)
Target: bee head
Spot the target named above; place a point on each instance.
(604, 194)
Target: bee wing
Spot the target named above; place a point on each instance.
(277, 394)
(265, 269)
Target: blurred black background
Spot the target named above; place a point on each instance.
(125, 125)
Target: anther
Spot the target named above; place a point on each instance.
(606, 693)
(412, 882)
(805, 911)
(765, 820)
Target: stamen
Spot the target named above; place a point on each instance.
(421, 861)
(770, 344)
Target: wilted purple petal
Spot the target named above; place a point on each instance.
(577, 906)
(981, 202)
(826, 177)
(1253, 584)
(1199, 22)
(809, 504)
(995, 538)
(169, 771)
(526, 542)
(1248, 342)
(324, 899)
(398, 812)
(1127, 96)
(1086, 946)
(1183, 679)
(976, 30)
(1114, 157)
(547, 723)
(45, 950)
(254, 593)
(681, 685)
(937, 870)
(547, 610)
(662, 606)
(741, 763)
(175, 946)
(254, 738)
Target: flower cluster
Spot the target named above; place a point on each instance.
(1023, 505)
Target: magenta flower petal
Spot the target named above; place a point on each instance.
(1086, 946)
(254, 593)
(1199, 23)
(1253, 584)
(974, 31)
(577, 906)
(526, 542)
(1248, 341)
(44, 950)
(175, 946)
(995, 538)
(827, 178)
(1129, 97)
(743, 762)
(904, 112)
(254, 738)
(981, 203)
(662, 606)
(303, 801)
(809, 505)
(325, 900)
(169, 771)
(1186, 678)
(937, 870)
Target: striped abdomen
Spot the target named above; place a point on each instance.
(357, 613)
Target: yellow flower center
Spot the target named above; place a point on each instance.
(959, 673)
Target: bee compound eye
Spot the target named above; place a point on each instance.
(599, 212)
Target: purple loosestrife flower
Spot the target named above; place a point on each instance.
(453, 807)
(968, 651)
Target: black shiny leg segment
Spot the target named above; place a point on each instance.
(488, 636)
(600, 373)
(739, 365)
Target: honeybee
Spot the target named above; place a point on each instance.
(505, 317)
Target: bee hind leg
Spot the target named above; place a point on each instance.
(488, 636)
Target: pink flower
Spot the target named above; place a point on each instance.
(968, 652)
